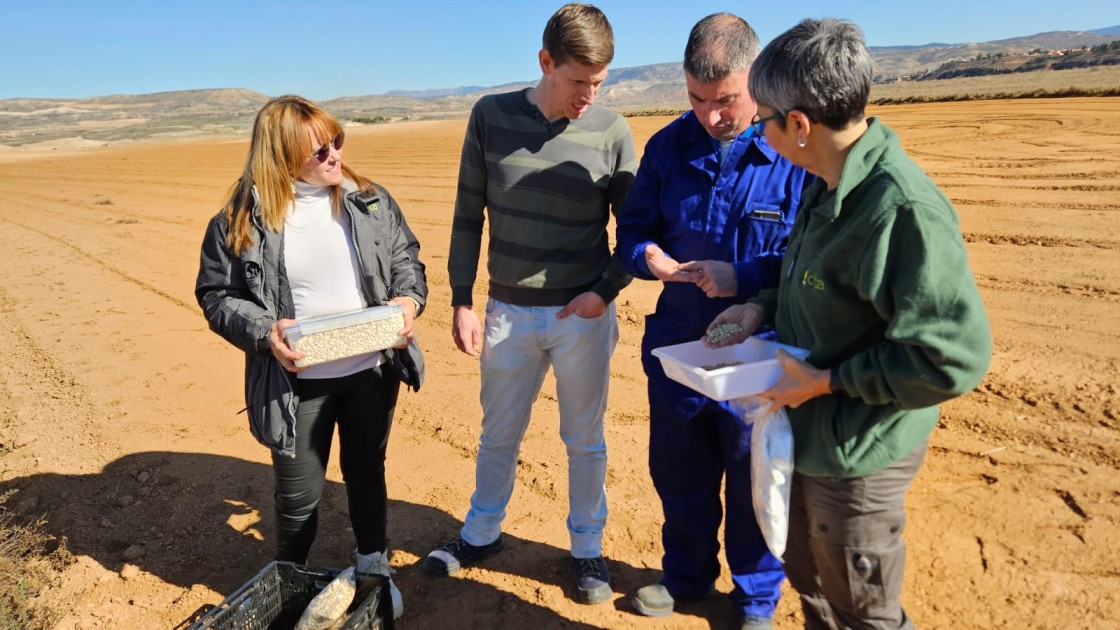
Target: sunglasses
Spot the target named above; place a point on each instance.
(324, 152)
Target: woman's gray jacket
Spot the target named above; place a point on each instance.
(243, 295)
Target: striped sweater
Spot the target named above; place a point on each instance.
(549, 190)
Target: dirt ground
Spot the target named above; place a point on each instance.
(119, 409)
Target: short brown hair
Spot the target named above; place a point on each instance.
(580, 32)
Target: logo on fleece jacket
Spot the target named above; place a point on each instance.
(811, 280)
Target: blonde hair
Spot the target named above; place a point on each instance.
(279, 147)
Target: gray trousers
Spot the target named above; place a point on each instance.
(845, 554)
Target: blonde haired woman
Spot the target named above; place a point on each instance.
(303, 235)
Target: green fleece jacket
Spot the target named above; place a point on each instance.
(876, 283)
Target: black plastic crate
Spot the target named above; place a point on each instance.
(277, 596)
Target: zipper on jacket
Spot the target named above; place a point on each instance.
(357, 250)
(800, 243)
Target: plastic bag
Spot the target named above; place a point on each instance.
(771, 449)
(327, 610)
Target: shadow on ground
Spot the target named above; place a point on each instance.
(198, 519)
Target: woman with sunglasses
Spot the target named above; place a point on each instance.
(876, 284)
(303, 235)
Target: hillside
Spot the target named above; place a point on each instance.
(115, 118)
(1037, 59)
(892, 62)
(637, 90)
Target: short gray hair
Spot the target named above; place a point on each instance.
(718, 45)
(820, 67)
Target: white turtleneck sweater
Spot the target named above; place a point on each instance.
(322, 270)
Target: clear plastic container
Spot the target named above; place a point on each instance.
(342, 335)
(742, 369)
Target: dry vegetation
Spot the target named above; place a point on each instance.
(1099, 81)
(31, 562)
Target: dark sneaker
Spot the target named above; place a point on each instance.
(755, 622)
(653, 601)
(593, 580)
(448, 559)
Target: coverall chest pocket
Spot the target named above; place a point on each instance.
(763, 230)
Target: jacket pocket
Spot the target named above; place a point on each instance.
(253, 274)
(408, 365)
(271, 402)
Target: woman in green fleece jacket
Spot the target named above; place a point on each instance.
(876, 284)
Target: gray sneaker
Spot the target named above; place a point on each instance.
(448, 559)
(377, 563)
(593, 580)
(653, 601)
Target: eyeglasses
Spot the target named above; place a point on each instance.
(324, 152)
(758, 124)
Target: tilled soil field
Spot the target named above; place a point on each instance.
(119, 410)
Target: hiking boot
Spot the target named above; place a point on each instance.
(755, 622)
(593, 580)
(448, 559)
(377, 563)
(653, 601)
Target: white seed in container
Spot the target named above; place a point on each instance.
(349, 341)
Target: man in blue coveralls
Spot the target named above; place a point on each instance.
(708, 215)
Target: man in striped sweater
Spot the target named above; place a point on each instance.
(547, 167)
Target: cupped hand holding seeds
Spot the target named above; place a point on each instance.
(733, 325)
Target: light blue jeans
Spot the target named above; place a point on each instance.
(521, 342)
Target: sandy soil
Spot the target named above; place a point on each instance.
(119, 423)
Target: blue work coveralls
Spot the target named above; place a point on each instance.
(693, 208)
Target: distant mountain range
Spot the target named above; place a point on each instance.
(654, 87)
(643, 83)
(894, 62)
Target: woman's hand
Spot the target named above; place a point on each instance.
(408, 308)
(748, 317)
(800, 382)
(284, 354)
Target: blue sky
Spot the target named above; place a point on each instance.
(80, 48)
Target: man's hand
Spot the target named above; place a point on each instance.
(715, 278)
(587, 305)
(284, 354)
(466, 331)
(664, 268)
(747, 316)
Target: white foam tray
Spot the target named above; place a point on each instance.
(759, 369)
